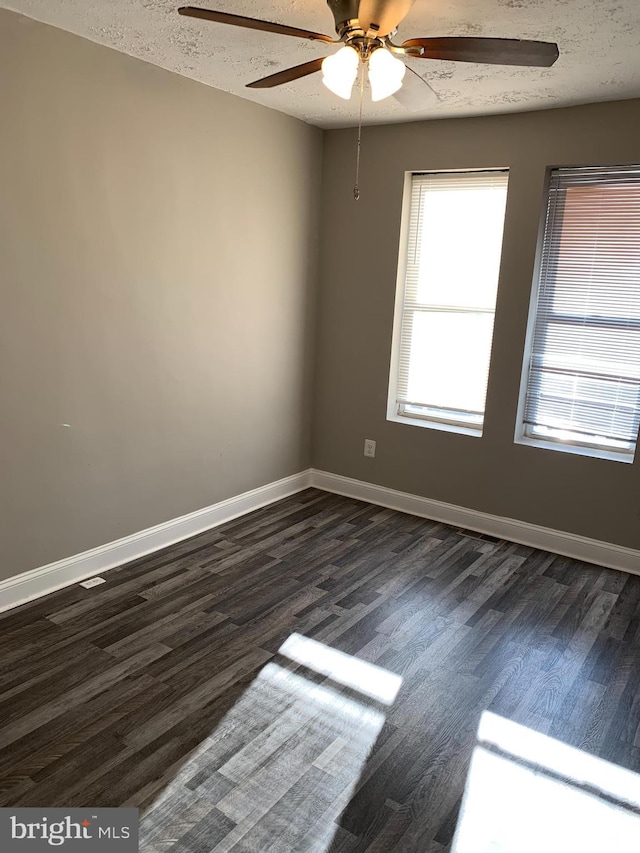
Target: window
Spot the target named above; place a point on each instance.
(583, 383)
(447, 287)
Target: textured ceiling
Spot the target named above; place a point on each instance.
(599, 44)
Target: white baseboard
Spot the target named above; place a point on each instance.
(37, 582)
(568, 544)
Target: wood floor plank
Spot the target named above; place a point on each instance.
(166, 688)
(40, 714)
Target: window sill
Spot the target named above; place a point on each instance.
(576, 449)
(476, 432)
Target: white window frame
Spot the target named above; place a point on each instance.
(420, 420)
(521, 436)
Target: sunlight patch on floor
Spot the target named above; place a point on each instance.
(366, 678)
(527, 792)
(283, 762)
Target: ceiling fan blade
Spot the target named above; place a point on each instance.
(287, 75)
(251, 23)
(540, 54)
(383, 15)
(415, 93)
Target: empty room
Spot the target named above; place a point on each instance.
(320, 399)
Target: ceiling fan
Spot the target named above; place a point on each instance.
(365, 28)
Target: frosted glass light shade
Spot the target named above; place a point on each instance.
(339, 72)
(385, 74)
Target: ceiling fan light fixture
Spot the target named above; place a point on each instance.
(385, 74)
(340, 70)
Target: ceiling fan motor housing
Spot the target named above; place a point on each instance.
(345, 14)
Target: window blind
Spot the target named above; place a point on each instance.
(454, 245)
(584, 374)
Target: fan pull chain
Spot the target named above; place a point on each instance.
(356, 187)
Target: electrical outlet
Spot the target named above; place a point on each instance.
(92, 582)
(369, 447)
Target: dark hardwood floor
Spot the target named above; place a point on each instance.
(169, 687)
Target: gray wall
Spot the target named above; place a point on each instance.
(591, 497)
(157, 263)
